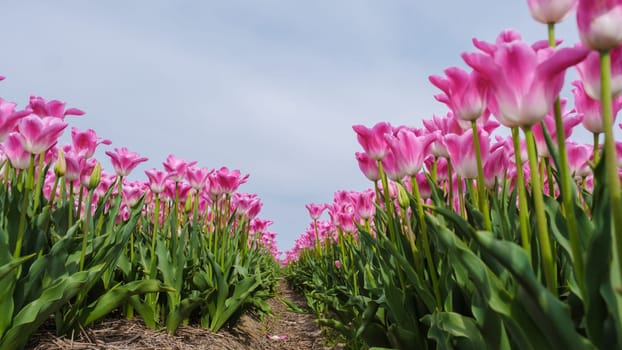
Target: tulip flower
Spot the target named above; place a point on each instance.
(124, 161)
(9, 118)
(14, 150)
(315, 210)
(368, 166)
(578, 158)
(40, 134)
(372, 140)
(550, 11)
(197, 177)
(157, 179)
(54, 108)
(224, 181)
(524, 83)
(462, 152)
(589, 73)
(176, 167)
(409, 150)
(590, 109)
(600, 23)
(87, 141)
(464, 93)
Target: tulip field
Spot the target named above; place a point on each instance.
(488, 228)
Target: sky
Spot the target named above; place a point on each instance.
(268, 87)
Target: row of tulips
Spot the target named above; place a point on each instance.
(77, 243)
(482, 232)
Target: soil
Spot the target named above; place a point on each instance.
(284, 329)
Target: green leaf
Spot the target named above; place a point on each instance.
(454, 331)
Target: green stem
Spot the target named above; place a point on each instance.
(523, 210)
(87, 227)
(154, 236)
(460, 197)
(39, 183)
(450, 184)
(426, 245)
(22, 219)
(549, 176)
(387, 202)
(548, 260)
(481, 189)
(595, 153)
(610, 159)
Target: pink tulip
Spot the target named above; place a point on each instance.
(338, 264)
(54, 108)
(425, 190)
(464, 93)
(409, 150)
(74, 162)
(600, 23)
(124, 161)
(14, 150)
(364, 204)
(495, 167)
(524, 82)
(224, 181)
(9, 118)
(368, 166)
(176, 167)
(157, 179)
(392, 168)
(589, 73)
(550, 11)
(1, 78)
(569, 122)
(578, 158)
(315, 210)
(372, 140)
(197, 177)
(87, 141)
(462, 152)
(590, 109)
(40, 134)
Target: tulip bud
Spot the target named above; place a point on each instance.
(95, 177)
(402, 197)
(61, 164)
(189, 202)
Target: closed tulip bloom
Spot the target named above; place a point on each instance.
(372, 140)
(392, 168)
(409, 150)
(495, 167)
(197, 177)
(224, 181)
(364, 204)
(124, 161)
(40, 134)
(462, 152)
(569, 121)
(464, 93)
(13, 149)
(524, 82)
(578, 158)
(589, 73)
(600, 23)
(550, 11)
(590, 110)
(157, 179)
(368, 166)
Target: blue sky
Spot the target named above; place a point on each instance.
(268, 87)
